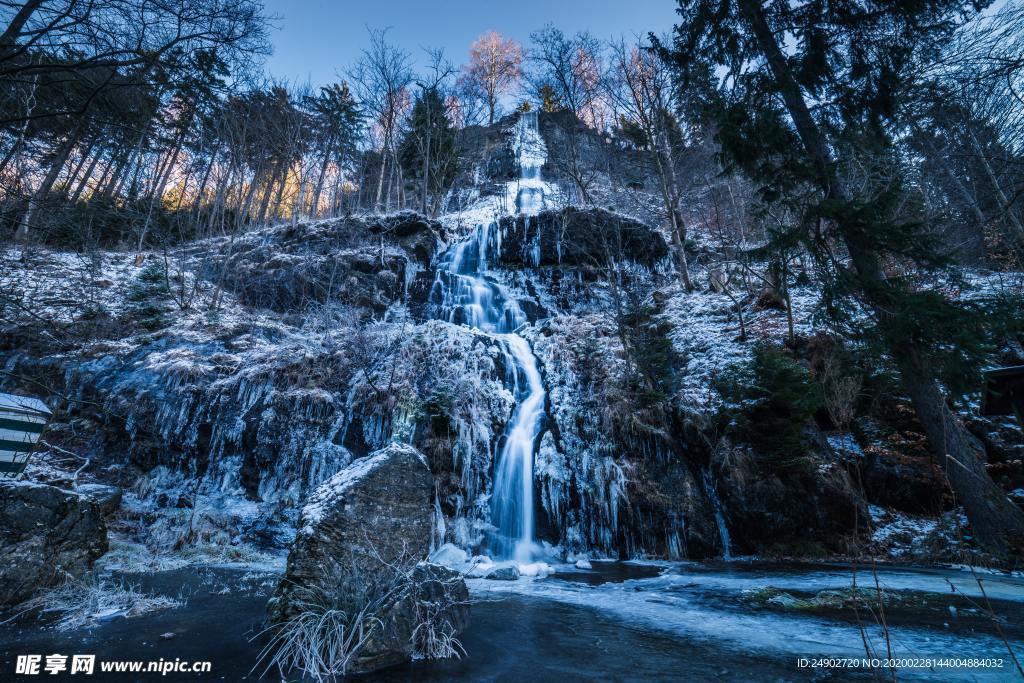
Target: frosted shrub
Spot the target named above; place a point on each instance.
(357, 612)
(78, 602)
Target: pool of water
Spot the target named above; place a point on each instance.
(619, 621)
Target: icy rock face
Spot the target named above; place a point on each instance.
(574, 237)
(603, 486)
(818, 508)
(446, 394)
(272, 415)
(46, 535)
(248, 415)
(365, 263)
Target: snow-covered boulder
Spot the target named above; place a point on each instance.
(362, 536)
(46, 535)
(378, 509)
(107, 497)
(451, 556)
(509, 573)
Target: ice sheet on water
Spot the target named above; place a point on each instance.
(675, 604)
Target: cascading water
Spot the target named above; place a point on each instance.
(716, 507)
(464, 294)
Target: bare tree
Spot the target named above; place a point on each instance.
(382, 78)
(495, 67)
(570, 68)
(640, 85)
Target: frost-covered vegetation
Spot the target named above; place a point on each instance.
(80, 603)
(723, 372)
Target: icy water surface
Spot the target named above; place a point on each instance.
(619, 621)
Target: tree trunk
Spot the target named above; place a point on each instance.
(86, 154)
(1004, 202)
(997, 522)
(163, 175)
(380, 179)
(84, 181)
(268, 191)
(669, 197)
(314, 204)
(279, 198)
(59, 159)
(426, 175)
(201, 188)
(13, 31)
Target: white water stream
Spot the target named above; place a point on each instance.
(463, 293)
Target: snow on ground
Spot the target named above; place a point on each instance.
(905, 537)
(705, 332)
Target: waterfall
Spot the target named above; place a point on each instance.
(716, 507)
(463, 293)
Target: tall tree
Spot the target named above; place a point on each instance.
(640, 84)
(427, 152)
(382, 78)
(571, 67)
(809, 105)
(495, 66)
(337, 125)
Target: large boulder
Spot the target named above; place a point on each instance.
(107, 497)
(46, 535)
(361, 537)
(583, 238)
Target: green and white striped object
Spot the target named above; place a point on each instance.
(22, 421)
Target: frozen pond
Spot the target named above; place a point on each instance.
(620, 621)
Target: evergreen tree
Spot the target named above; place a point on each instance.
(337, 125)
(818, 124)
(427, 152)
(549, 100)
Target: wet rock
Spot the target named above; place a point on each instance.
(363, 263)
(431, 595)
(108, 498)
(450, 555)
(903, 481)
(579, 237)
(510, 573)
(417, 235)
(583, 563)
(784, 601)
(376, 510)
(46, 534)
(810, 512)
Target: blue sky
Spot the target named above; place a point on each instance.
(317, 39)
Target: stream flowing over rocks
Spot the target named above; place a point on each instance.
(500, 341)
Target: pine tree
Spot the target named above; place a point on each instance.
(427, 152)
(819, 126)
(549, 100)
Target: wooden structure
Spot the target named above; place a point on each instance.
(22, 421)
(1004, 392)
